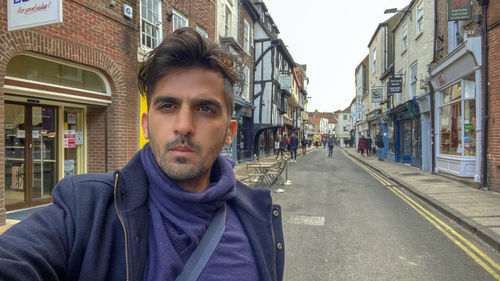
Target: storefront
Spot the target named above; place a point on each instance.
(45, 115)
(407, 134)
(457, 80)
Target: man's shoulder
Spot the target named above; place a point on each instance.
(100, 184)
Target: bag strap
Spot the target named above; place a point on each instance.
(199, 259)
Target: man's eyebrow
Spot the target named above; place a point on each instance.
(165, 99)
(197, 101)
(212, 102)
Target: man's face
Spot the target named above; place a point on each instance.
(187, 123)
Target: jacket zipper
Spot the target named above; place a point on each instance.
(124, 229)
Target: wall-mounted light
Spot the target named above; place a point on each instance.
(169, 16)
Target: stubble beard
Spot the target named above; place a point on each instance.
(179, 169)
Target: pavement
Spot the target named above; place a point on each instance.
(477, 210)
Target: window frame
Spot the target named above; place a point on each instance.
(181, 16)
(201, 31)
(228, 21)
(404, 36)
(419, 18)
(246, 36)
(461, 105)
(154, 26)
(374, 60)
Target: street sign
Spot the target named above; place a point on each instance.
(459, 10)
(395, 85)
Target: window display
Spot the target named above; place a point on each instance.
(457, 128)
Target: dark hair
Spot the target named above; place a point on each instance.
(186, 48)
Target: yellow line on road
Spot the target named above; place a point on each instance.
(458, 243)
(434, 220)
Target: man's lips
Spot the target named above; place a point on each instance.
(181, 149)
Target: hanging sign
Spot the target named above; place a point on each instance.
(395, 85)
(23, 14)
(459, 10)
(376, 95)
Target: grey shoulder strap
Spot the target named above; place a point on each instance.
(197, 261)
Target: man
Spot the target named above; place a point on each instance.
(294, 145)
(144, 221)
(379, 142)
(330, 146)
(304, 145)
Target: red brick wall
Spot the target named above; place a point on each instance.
(96, 35)
(199, 13)
(494, 96)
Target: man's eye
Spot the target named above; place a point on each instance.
(166, 106)
(206, 108)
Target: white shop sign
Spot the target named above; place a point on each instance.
(30, 13)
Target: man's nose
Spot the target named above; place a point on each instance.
(184, 123)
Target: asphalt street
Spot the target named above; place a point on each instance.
(341, 223)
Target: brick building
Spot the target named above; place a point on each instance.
(69, 98)
(494, 95)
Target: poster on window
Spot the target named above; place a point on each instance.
(69, 139)
(69, 168)
(71, 115)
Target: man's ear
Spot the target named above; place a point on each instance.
(232, 129)
(144, 123)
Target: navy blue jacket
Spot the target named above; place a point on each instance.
(294, 142)
(97, 229)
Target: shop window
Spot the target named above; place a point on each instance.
(73, 141)
(45, 71)
(407, 140)
(391, 140)
(451, 129)
(457, 128)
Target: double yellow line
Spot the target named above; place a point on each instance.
(486, 262)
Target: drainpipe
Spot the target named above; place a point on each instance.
(484, 177)
(106, 139)
(432, 92)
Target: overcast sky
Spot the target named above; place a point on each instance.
(332, 38)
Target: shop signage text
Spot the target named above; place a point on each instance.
(395, 85)
(30, 13)
(459, 10)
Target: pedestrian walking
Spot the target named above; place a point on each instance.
(368, 144)
(304, 145)
(294, 145)
(330, 146)
(379, 142)
(324, 143)
(361, 145)
(149, 220)
(279, 145)
(287, 145)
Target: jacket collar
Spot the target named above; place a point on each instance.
(132, 189)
